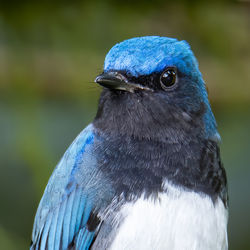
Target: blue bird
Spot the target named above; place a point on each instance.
(146, 174)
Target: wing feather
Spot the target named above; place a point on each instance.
(62, 215)
(53, 228)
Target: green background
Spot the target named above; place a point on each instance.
(50, 53)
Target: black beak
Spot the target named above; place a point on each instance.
(117, 81)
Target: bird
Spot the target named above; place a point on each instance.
(147, 172)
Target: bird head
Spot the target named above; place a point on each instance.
(153, 87)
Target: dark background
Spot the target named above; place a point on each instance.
(50, 54)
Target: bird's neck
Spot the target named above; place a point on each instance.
(126, 115)
(141, 142)
(141, 166)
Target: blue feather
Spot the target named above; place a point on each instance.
(65, 207)
(145, 55)
(61, 212)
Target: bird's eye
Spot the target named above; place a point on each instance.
(168, 78)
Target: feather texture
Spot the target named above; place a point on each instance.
(65, 207)
(103, 193)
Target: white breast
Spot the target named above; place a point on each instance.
(178, 220)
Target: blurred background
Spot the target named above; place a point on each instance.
(50, 53)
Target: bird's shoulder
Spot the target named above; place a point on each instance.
(62, 181)
(75, 190)
(212, 171)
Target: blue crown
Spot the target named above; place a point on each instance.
(149, 54)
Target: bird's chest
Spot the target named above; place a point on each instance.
(177, 220)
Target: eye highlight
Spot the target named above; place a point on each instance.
(168, 78)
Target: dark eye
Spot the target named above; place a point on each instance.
(168, 78)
